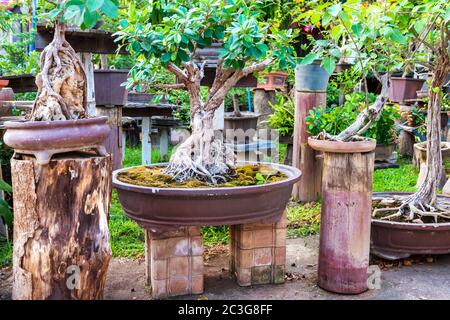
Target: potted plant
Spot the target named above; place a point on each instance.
(65, 187)
(198, 186)
(418, 223)
(273, 80)
(348, 157)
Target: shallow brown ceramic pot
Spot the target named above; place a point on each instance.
(164, 209)
(342, 147)
(384, 152)
(43, 139)
(397, 240)
(247, 121)
(402, 89)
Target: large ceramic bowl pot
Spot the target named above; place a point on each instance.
(395, 240)
(43, 139)
(165, 209)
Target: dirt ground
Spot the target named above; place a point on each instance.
(421, 280)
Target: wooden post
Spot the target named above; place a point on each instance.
(113, 143)
(146, 141)
(164, 144)
(86, 59)
(304, 157)
(345, 221)
(61, 236)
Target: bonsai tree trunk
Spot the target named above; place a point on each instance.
(423, 202)
(61, 83)
(237, 112)
(204, 156)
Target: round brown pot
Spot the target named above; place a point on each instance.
(43, 139)
(384, 152)
(342, 66)
(420, 152)
(345, 216)
(397, 240)
(402, 89)
(163, 209)
(233, 126)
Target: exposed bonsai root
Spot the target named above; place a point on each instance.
(61, 82)
(203, 156)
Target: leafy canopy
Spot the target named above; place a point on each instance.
(185, 26)
(83, 13)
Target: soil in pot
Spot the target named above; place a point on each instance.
(245, 175)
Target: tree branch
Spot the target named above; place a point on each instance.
(178, 72)
(255, 67)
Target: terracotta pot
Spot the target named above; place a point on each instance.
(384, 152)
(345, 216)
(342, 147)
(238, 126)
(43, 139)
(402, 89)
(273, 80)
(108, 89)
(342, 66)
(163, 209)
(3, 83)
(6, 94)
(396, 240)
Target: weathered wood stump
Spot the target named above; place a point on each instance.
(345, 221)
(304, 157)
(61, 236)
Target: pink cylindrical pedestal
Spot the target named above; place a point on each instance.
(345, 218)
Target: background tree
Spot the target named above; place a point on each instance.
(62, 80)
(248, 45)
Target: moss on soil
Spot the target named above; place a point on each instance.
(247, 175)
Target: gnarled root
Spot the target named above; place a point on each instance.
(203, 156)
(61, 82)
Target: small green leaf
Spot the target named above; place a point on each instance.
(90, 18)
(329, 64)
(166, 57)
(397, 36)
(183, 55)
(335, 9)
(110, 9)
(357, 28)
(5, 186)
(308, 59)
(71, 12)
(94, 5)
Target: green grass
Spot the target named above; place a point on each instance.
(403, 178)
(5, 253)
(303, 219)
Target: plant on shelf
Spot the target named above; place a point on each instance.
(282, 118)
(248, 45)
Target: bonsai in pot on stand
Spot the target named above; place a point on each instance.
(61, 175)
(198, 186)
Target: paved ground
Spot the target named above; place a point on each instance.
(418, 281)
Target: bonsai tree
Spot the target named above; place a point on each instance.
(377, 36)
(430, 24)
(247, 45)
(62, 80)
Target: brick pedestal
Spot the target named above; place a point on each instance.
(258, 252)
(174, 262)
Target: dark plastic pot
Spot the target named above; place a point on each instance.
(342, 66)
(108, 89)
(397, 240)
(384, 152)
(165, 209)
(43, 139)
(311, 77)
(402, 89)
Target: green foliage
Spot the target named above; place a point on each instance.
(186, 25)
(334, 120)
(342, 83)
(82, 13)
(283, 117)
(15, 60)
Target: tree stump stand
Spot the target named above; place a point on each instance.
(345, 221)
(174, 259)
(61, 236)
(304, 157)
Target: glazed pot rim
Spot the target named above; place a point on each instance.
(406, 78)
(422, 146)
(408, 225)
(293, 174)
(231, 116)
(342, 146)
(24, 125)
